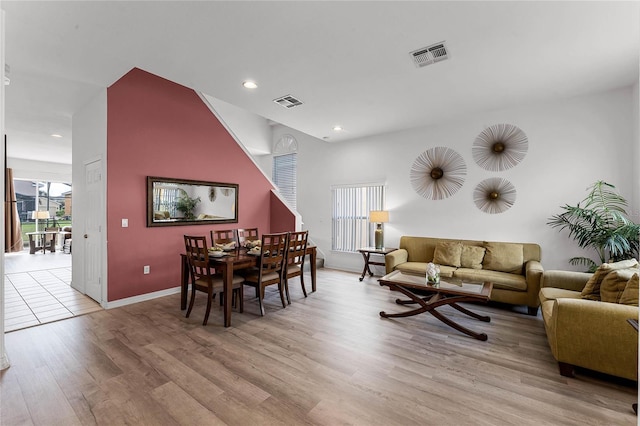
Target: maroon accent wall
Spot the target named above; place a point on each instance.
(282, 220)
(159, 128)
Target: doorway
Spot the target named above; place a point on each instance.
(38, 282)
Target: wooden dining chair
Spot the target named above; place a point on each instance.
(220, 237)
(295, 259)
(204, 278)
(271, 266)
(247, 234)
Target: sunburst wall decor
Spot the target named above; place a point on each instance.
(438, 173)
(500, 147)
(494, 195)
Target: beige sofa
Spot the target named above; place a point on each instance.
(588, 333)
(514, 268)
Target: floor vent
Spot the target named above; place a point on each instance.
(430, 54)
(288, 101)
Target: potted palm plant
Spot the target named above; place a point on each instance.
(187, 204)
(600, 222)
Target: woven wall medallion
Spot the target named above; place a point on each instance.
(438, 173)
(494, 195)
(500, 147)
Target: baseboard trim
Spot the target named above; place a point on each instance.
(141, 298)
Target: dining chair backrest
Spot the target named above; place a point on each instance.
(224, 236)
(273, 255)
(297, 247)
(198, 257)
(247, 234)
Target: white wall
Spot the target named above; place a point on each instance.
(252, 130)
(40, 170)
(89, 125)
(635, 199)
(572, 144)
(4, 359)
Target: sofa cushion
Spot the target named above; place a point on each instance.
(448, 253)
(502, 280)
(614, 283)
(591, 290)
(630, 293)
(420, 268)
(552, 293)
(503, 257)
(471, 256)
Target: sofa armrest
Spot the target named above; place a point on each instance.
(595, 335)
(568, 280)
(533, 272)
(395, 258)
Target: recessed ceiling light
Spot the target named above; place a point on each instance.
(249, 84)
(55, 135)
(337, 128)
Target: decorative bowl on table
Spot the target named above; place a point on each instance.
(216, 252)
(252, 243)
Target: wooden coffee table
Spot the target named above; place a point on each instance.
(428, 297)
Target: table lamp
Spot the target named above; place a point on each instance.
(39, 214)
(379, 217)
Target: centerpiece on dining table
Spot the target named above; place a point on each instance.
(253, 246)
(230, 246)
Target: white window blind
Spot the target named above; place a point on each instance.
(284, 176)
(350, 224)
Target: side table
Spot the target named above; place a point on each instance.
(366, 254)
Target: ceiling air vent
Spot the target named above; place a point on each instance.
(288, 101)
(430, 54)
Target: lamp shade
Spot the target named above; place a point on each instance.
(379, 216)
(40, 215)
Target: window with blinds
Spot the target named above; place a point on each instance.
(166, 198)
(350, 219)
(284, 176)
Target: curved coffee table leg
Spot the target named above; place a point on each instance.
(411, 302)
(453, 324)
(424, 306)
(470, 313)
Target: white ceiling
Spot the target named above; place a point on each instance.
(347, 61)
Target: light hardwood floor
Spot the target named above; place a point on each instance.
(328, 359)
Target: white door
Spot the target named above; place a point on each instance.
(92, 237)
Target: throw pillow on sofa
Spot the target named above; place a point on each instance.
(471, 256)
(591, 290)
(503, 257)
(630, 293)
(448, 253)
(614, 283)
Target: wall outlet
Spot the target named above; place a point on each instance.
(146, 269)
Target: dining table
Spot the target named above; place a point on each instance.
(233, 260)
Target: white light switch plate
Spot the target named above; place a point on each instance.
(125, 223)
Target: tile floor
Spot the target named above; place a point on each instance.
(34, 295)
